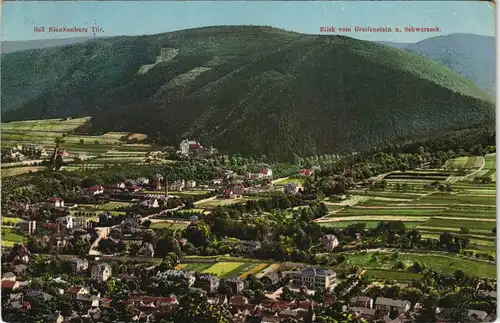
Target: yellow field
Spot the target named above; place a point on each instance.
(222, 268)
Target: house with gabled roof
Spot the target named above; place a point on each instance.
(207, 283)
(9, 276)
(306, 172)
(75, 291)
(95, 190)
(55, 202)
(383, 303)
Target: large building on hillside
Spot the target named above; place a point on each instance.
(313, 278)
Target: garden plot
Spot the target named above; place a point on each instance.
(490, 162)
(405, 211)
(453, 198)
(480, 226)
(10, 237)
(444, 263)
(368, 224)
(107, 138)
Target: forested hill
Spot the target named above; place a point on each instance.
(253, 90)
(472, 56)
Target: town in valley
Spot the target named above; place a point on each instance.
(219, 164)
(134, 232)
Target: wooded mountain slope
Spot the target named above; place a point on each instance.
(471, 56)
(253, 90)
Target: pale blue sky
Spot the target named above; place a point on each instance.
(151, 17)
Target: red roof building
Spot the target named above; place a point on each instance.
(306, 172)
(95, 188)
(9, 284)
(54, 199)
(194, 146)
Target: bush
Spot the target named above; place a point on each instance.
(399, 265)
(395, 255)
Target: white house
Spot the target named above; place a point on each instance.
(188, 146)
(191, 184)
(101, 272)
(95, 190)
(151, 203)
(66, 222)
(120, 185)
(71, 222)
(142, 181)
(177, 185)
(330, 242)
(55, 202)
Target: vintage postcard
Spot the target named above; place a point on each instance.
(254, 161)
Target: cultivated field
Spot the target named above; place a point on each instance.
(227, 269)
(106, 149)
(14, 171)
(468, 208)
(446, 263)
(10, 237)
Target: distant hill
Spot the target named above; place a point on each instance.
(472, 56)
(253, 90)
(15, 46)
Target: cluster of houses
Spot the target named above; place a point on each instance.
(365, 307)
(147, 308)
(24, 152)
(155, 184)
(193, 148)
